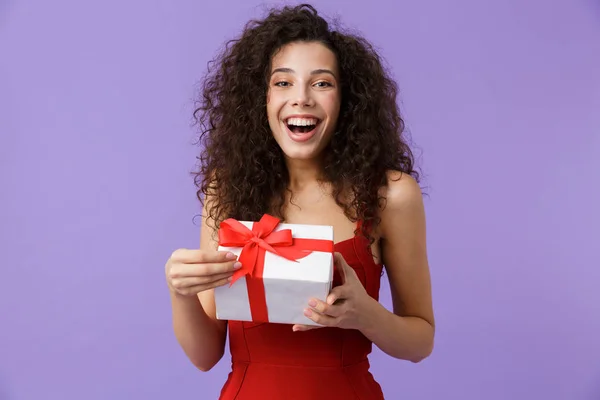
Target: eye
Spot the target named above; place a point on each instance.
(282, 83)
(323, 84)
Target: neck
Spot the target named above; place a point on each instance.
(303, 173)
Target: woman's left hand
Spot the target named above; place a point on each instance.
(348, 306)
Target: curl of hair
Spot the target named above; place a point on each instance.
(241, 164)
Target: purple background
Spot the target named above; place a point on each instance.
(502, 99)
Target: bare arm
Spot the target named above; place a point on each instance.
(408, 331)
(199, 333)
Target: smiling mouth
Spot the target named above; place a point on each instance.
(301, 125)
(301, 128)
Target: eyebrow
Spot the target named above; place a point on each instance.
(314, 72)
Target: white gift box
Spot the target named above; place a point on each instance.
(288, 285)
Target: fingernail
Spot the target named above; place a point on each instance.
(307, 312)
(312, 303)
(237, 265)
(230, 256)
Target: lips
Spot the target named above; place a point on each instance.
(301, 133)
(301, 127)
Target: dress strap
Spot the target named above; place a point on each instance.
(372, 269)
(359, 225)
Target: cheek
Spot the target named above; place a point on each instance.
(270, 107)
(274, 105)
(332, 103)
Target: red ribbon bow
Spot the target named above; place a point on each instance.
(255, 243)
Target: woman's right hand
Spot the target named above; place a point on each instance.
(190, 272)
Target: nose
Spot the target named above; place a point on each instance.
(303, 97)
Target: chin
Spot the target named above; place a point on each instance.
(294, 153)
(302, 151)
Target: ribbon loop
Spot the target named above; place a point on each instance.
(235, 234)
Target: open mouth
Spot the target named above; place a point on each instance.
(301, 126)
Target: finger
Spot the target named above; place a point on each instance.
(186, 282)
(327, 309)
(189, 270)
(347, 273)
(302, 328)
(340, 265)
(320, 319)
(201, 288)
(197, 256)
(215, 269)
(337, 295)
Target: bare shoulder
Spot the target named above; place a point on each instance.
(403, 199)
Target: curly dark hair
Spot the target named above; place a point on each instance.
(241, 163)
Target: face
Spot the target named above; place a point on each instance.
(303, 99)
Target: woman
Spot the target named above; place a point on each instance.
(301, 122)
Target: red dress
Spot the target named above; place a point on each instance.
(271, 362)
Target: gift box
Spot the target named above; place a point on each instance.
(283, 267)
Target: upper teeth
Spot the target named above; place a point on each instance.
(302, 121)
